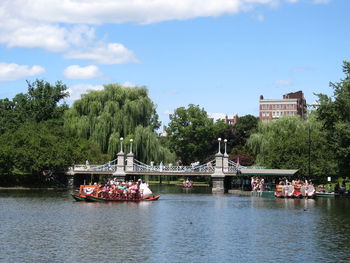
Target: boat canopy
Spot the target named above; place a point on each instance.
(268, 172)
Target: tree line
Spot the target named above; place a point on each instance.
(40, 135)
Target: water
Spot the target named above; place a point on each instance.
(183, 226)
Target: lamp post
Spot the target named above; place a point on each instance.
(219, 140)
(225, 141)
(131, 140)
(121, 144)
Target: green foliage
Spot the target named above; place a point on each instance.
(148, 148)
(42, 148)
(284, 144)
(334, 113)
(32, 139)
(244, 127)
(192, 135)
(238, 134)
(40, 103)
(104, 116)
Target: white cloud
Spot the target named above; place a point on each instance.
(105, 53)
(216, 115)
(69, 26)
(121, 11)
(76, 90)
(77, 72)
(283, 82)
(12, 71)
(48, 37)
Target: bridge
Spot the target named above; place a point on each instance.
(219, 169)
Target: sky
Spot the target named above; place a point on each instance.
(218, 54)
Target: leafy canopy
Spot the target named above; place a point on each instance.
(284, 144)
(334, 114)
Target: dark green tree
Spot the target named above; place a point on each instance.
(193, 135)
(42, 102)
(284, 144)
(334, 113)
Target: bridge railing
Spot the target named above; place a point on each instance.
(172, 169)
(99, 168)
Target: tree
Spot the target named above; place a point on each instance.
(245, 126)
(333, 112)
(40, 149)
(193, 135)
(284, 144)
(103, 117)
(40, 103)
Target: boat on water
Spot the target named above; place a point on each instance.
(96, 193)
(327, 194)
(187, 184)
(295, 191)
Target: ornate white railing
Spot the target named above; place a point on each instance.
(232, 166)
(141, 167)
(110, 166)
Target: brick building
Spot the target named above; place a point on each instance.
(292, 104)
(232, 121)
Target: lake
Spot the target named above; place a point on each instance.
(188, 225)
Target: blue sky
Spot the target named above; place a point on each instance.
(220, 54)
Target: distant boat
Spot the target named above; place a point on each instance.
(187, 184)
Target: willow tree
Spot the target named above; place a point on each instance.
(290, 143)
(116, 111)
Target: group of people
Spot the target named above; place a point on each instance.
(187, 183)
(123, 190)
(285, 181)
(257, 183)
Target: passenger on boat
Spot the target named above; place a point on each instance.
(336, 188)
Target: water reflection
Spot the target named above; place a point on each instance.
(194, 226)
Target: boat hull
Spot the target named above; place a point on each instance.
(100, 199)
(324, 194)
(79, 197)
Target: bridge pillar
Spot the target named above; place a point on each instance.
(70, 178)
(120, 172)
(218, 176)
(225, 163)
(130, 162)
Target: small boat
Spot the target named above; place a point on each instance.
(187, 184)
(327, 194)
